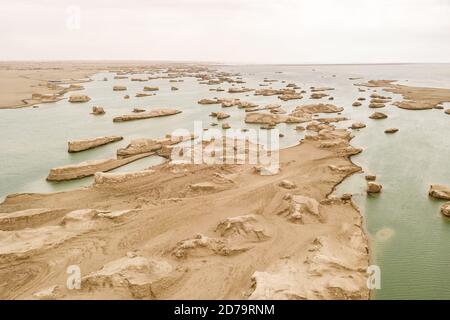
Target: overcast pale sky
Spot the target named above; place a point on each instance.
(248, 31)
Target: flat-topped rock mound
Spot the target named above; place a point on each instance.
(141, 95)
(439, 191)
(358, 125)
(445, 209)
(319, 108)
(147, 115)
(331, 119)
(209, 101)
(98, 111)
(219, 115)
(378, 116)
(373, 187)
(29, 217)
(318, 95)
(147, 88)
(143, 145)
(290, 96)
(86, 144)
(270, 118)
(109, 178)
(79, 98)
(391, 130)
(274, 92)
(239, 90)
(89, 168)
(318, 89)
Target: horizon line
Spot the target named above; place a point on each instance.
(218, 62)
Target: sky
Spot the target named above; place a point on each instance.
(229, 31)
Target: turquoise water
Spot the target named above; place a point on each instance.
(409, 238)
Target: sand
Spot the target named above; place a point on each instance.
(20, 80)
(162, 236)
(415, 98)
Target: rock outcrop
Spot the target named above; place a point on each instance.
(290, 96)
(373, 187)
(358, 125)
(319, 108)
(391, 130)
(89, 168)
(146, 115)
(318, 95)
(209, 101)
(219, 115)
(378, 115)
(139, 146)
(79, 98)
(275, 92)
(375, 105)
(239, 90)
(331, 119)
(246, 227)
(270, 118)
(97, 111)
(445, 209)
(141, 95)
(304, 210)
(85, 144)
(315, 89)
(439, 191)
(146, 88)
(229, 102)
(112, 179)
(286, 184)
(24, 218)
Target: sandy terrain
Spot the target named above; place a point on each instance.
(194, 231)
(20, 80)
(415, 98)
